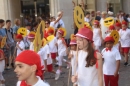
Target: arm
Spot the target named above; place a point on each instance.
(73, 3)
(83, 6)
(100, 70)
(117, 67)
(58, 18)
(70, 55)
(100, 32)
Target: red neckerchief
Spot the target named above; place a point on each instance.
(23, 83)
(124, 29)
(108, 49)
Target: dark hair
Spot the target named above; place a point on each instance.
(90, 59)
(87, 13)
(8, 21)
(28, 24)
(2, 21)
(35, 24)
(48, 21)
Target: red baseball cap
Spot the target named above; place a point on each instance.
(19, 36)
(109, 39)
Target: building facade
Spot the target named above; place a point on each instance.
(11, 9)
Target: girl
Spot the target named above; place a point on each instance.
(31, 38)
(72, 55)
(29, 69)
(20, 44)
(2, 66)
(62, 49)
(118, 26)
(89, 62)
(52, 43)
(97, 35)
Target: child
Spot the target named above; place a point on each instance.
(2, 66)
(72, 55)
(20, 44)
(89, 62)
(29, 69)
(97, 35)
(111, 64)
(52, 43)
(111, 28)
(46, 58)
(118, 26)
(125, 41)
(31, 38)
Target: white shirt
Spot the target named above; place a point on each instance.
(125, 37)
(22, 46)
(39, 83)
(53, 25)
(87, 76)
(61, 23)
(31, 46)
(110, 58)
(52, 45)
(61, 47)
(86, 19)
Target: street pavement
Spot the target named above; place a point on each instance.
(124, 77)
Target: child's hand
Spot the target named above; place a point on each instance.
(71, 55)
(115, 74)
(74, 79)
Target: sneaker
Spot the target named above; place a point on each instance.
(68, 65)
(126, 63)
(57, 75)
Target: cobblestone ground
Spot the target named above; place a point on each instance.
(124, 79)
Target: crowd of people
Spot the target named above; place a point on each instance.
(93, 57)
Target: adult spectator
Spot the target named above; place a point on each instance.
(60, 22)
(16, 26)
(98, 16)
(87, 17)
(10, 43)
(103, 27)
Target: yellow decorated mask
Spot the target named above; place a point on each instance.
(115, 35)
(86, 24)
(22, 31)
(109, 21)
(79, 17)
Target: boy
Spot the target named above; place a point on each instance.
(111, 64)
(125, 41)
(20, 44)
(28, 69)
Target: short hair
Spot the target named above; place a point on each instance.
(35, 24)
(16, 21)
(2, 21)
(8, 21)
(87, 13)
(28, 24)
(48, 21)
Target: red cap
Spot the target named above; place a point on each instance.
(31, 35)
(31, 58)
(111, 27)
(61, 32)
(109, 39)
(124, 22)
(73, 42)
(50, 30)
(118, 24)
(19, 36)
(96, 22)
(85, 33)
